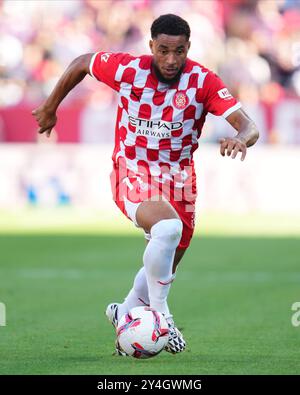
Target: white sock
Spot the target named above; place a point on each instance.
(158, 261)
(137, 296)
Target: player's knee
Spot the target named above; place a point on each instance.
(169, 230)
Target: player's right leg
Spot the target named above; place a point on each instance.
(165, 227)
(161, 221)
(138, 296)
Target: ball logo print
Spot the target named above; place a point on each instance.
(142, 333)
(296, 316)
(2, 314)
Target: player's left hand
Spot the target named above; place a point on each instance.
(231, 146)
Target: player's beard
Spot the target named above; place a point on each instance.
(164, 80)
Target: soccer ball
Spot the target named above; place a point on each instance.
(143, 332)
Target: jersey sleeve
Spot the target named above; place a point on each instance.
(104, 67)
(218, 100)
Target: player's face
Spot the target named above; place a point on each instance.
(169, 55)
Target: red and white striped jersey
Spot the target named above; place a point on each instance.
(158, 125)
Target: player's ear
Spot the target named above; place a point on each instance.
(189, 45)
(151, 45)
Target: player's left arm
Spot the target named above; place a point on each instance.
(247, 135)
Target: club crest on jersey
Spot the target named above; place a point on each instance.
(180, 100)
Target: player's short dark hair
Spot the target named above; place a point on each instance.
(170, 24)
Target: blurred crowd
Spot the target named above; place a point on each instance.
(254, 45)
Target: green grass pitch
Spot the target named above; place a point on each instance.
(232, 298)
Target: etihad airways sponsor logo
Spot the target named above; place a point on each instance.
(158, 129)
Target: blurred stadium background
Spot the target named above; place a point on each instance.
(253, 45)
(53, 188)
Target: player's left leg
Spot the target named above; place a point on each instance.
(138, 295)
(176, 341)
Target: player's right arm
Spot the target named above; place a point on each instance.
(45, 114)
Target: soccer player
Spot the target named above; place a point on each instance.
(163, 101)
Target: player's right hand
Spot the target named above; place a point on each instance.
(46, 119)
